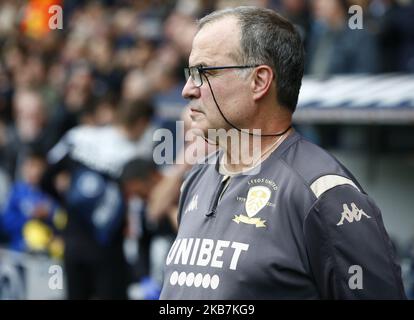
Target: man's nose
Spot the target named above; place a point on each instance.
(190, 91)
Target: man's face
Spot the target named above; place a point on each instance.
(33, 170)
(326, 10)
(217, 44)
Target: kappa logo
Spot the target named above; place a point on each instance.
(257, 198)
(192, 205)
(351, 215)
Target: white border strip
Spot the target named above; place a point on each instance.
(325, 183)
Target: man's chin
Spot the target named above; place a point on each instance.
(198, 129)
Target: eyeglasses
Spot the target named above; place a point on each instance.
(196, 72)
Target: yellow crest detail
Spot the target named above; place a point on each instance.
(257, 198)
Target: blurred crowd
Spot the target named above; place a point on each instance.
(114, 55)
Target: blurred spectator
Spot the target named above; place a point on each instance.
(139, 179)
(179, 30)
(334, 48)
(297, 12)
(396, 35)
(136, 86)
(31, 219)
(105, 111)
(6, 92)
(84, 172)
(76, 100)
(167, 191)
(30, 129)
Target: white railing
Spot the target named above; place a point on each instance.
(31, 277)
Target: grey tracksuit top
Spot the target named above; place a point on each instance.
(301, 227)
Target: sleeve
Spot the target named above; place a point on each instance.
(61, 149)
(350, 253)
(58, 161)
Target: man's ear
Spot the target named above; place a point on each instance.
(262, 81)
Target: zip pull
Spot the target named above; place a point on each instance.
(217, 195)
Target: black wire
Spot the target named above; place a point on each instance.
(229, 123)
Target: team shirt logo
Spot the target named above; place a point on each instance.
(257, 198)
(203, 252)
(351, 215)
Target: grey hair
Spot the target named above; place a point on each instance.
(268, 38)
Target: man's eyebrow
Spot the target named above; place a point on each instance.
(200, 64)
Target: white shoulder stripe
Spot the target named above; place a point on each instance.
(325, 183)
